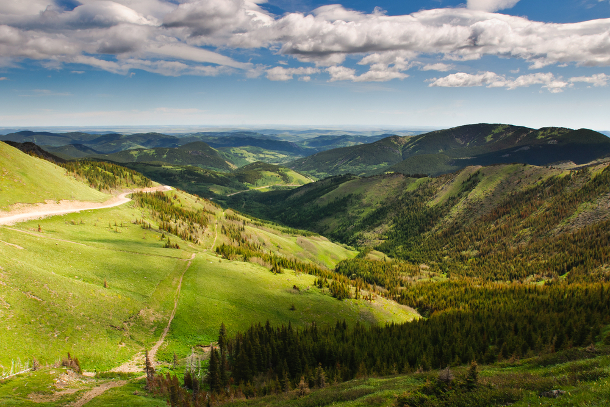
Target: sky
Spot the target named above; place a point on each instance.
(400, 63)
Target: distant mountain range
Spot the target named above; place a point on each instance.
(444, 151)
(230, 149)
(321, 156)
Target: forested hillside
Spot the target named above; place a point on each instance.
(506, 222)
(449, 150)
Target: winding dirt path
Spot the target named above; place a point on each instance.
(263, 187)
(155, 348)
(96, 391)
(64, 207)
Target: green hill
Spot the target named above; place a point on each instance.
(444, 151)
(413, 218)
(197, 154)
(359, 159)
(26, 179)
(217, 185)
(57, 278)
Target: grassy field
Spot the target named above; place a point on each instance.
(53, 288)
(26, 179)
(58, 273)
(239, 294)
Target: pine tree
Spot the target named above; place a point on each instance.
(472, 377)
(150, 372)
(213, 371)
(320, 377)
(222, 338)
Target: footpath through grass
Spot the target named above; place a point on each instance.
(216, 290)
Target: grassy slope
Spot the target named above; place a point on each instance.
(240, 294)
(53, 287)
(26, 179)
(353, 199)
(213, 184)
(198, 154)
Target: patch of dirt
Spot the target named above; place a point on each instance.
(11, 244)
(135, 365)
(96, 391)
(149, 316)
(66, 379)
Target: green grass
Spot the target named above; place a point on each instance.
(54, 288)
(239, 294)
(245, 155)
(132, 394)
(27, 179)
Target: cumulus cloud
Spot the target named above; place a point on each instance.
(285, 74)
(3, 78)
(376, 73)
(198, 33)
(493, 80)
(441, 67)
(595, 80)
(491, 5)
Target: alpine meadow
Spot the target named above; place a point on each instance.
(303, 203)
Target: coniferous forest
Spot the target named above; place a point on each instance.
(520, 281)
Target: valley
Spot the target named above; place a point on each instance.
(350, 276)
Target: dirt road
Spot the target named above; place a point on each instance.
(63, 207)
(266, 186)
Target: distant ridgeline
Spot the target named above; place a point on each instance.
(444, 151)
(503, 222)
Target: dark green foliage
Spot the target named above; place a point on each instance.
(172, 217)
(106, 176)
(482, 324)
(443, 151)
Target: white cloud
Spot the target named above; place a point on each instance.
(341, 73)
(595, 80)
(441, 67)
(462, 79)
(493, 80)
(285, 74)
(376, 73)
(3, 78)
(491, 5)
(197, 34)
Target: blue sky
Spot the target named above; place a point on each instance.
(309, 63)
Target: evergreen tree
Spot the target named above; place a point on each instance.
(472, 377)
(214, 371)
(150, 372)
